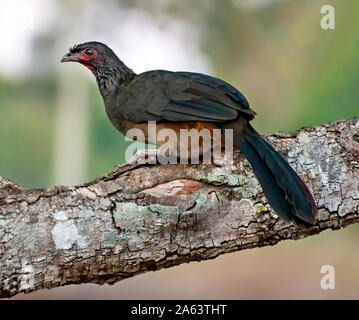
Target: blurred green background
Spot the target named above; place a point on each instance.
(54, 129)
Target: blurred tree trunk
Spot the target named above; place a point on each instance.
(72, 111)
(146, 217)
(71, 128)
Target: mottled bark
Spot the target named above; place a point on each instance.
(149, 216)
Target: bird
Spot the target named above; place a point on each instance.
(185, 100)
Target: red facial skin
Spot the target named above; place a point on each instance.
(88, 66)
(83, 58)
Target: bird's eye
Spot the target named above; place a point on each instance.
(89, 52)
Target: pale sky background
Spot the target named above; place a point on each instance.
(142, 42)
(20, 21)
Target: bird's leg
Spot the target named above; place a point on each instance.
(222, 157)
(142, 157)
(223, 161)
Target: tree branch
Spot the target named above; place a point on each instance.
(150, 217)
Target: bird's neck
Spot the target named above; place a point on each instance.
(111, 77)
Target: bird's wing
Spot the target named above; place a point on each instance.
(185, 96)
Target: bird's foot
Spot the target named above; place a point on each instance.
(223, 161)
(141, 157)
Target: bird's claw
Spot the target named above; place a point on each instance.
(140, 157)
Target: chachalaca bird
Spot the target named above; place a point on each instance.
(185, 100)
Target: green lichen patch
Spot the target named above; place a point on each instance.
(87, 222)
(163, 209)
(134, 221)
(250, 188)
(200, 201)
(2, 224)
(247, 185)
(129, 217)
(29, 243)
(110, 238)
(230, 179)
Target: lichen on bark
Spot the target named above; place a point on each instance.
(148, 217)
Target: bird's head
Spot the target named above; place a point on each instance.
(108, 69)
(93, 55)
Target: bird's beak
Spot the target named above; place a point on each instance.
(70, 57)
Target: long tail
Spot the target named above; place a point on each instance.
(285, 191)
